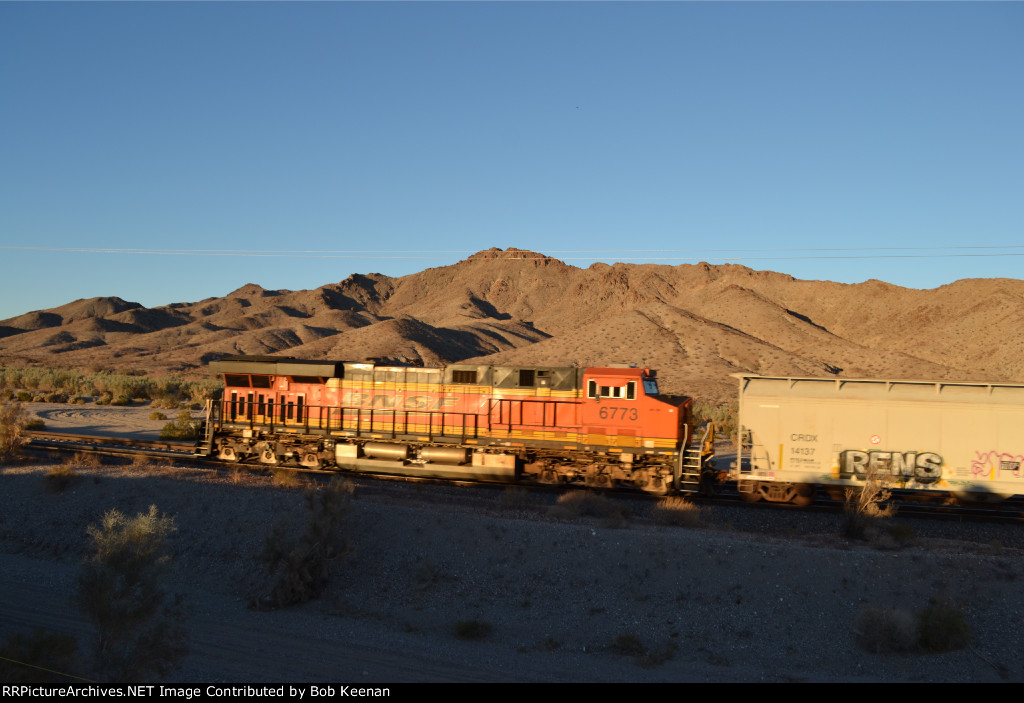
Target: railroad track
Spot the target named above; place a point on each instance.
(110, 446)
(1006, 511)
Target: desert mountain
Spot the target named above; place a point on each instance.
(696, 324)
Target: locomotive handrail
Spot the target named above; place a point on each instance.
(326, 418)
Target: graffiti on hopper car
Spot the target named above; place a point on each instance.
(993, 463)
(925, 467)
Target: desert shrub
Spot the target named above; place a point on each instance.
(121, 400)
(44, 656)
(182, 428)
(882, 630)
(942, 627)
(86, 460)
(472, 629)
(12, 427)
(723, 415)
(865, 506)
(35, 424)
(286, 478)
(576, 504)
(25, 396)
(104, 398)
(78, 400)
(59, 478)
(54, 397)
(627, 644)
(167, 402)
(676, 511)
(157, 416)
(656, 657)
(300, 556)
(122, 592)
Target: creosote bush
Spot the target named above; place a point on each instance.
(60, 478)
(939, 627)
(300, 556)
(581, 503)
(942, 627)
(865, 506)
(122, 592)
(12, 427)
(472, 629)
(182, 428)
(676, 511)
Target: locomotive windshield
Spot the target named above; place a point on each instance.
(650, 386)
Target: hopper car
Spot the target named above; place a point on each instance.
(600, 426)
(932, 437)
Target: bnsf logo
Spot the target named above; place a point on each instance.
(926, 467)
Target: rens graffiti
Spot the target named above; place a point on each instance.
(926, 467)
(990, 464)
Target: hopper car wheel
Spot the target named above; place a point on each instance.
(755, 493)
(803, 494)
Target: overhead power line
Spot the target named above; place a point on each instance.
(622, 255)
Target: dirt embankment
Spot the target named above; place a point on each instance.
(747, 596)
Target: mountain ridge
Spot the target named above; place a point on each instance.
(695, 323)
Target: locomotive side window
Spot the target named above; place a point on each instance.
(627, 392)
(261, 381)
(526, 377)
(463, 376)
(237, 380)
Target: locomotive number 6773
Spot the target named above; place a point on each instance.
(599, 425)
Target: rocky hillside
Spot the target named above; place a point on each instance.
(695, 323)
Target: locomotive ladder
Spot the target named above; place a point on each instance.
(692, 461)
(204, 437)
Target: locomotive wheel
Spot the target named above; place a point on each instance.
(549, 476)
(310, 461)
(267, 456)
(600, 481)
(656, 485)
(227, 454)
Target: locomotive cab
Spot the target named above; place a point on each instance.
(622, 409)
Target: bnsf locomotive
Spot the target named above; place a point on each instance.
(598, 426)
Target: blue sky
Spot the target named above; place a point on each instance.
(882, 137)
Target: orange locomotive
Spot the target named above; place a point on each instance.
(595, 425)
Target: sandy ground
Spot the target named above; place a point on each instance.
(750, 595)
